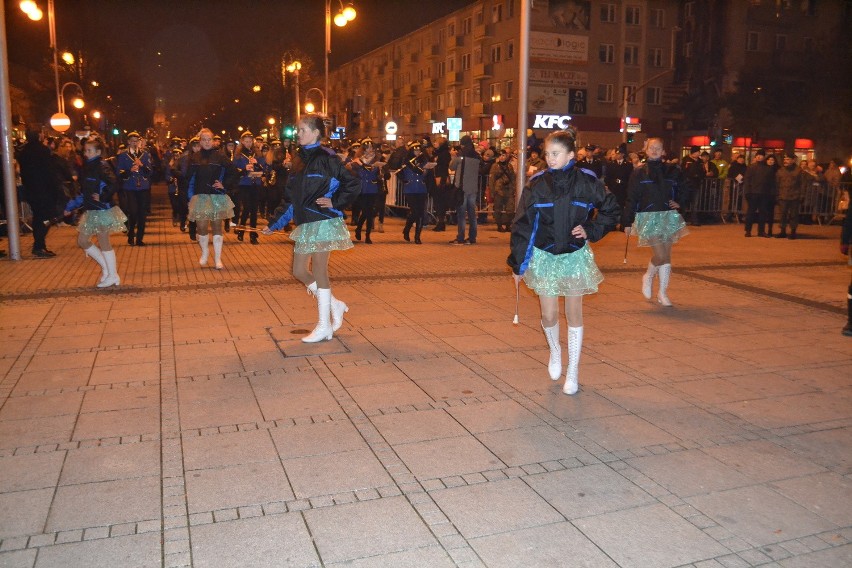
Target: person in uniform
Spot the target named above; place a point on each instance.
(415, 190)
(550, 245)
(501, 181)
(655, 191)
(252, 167)
(134, 169)
(319, 189)
(369, 173)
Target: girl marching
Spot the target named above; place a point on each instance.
(319, 189)
(97, 184)
(549, 245)
(654, 193)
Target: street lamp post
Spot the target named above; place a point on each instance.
(344, 15)
(78, 102)
(32, 10)
(294, 69)
(308, 102)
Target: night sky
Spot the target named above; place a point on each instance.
(205, 46)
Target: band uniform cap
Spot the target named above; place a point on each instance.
(133, 134)
(414, 145)
(247, 133)
(367, 140)
(194, 140)
(217, 137)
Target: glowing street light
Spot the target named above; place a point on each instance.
(294, 69)
(256, 88)
(271, 121)
(68, 57)
(344, 16)
(96, 115)
(309, 107)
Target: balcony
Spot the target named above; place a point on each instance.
(483, 31)
(411, 58)
(429, 85)
(453, 78)
(454, 42)
(408, 90)
(483, 71)
(434, 51)
(479, 109)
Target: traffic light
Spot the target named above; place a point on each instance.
(629, 137)
(115, 132)
(289, 131)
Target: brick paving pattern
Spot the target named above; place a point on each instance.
(179, 420)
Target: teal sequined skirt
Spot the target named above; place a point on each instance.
(659, 227)
(574, 274)
(321, 236)
(207, 207)
(93, 222)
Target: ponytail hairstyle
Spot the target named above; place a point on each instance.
(566, 138)
(314, 122)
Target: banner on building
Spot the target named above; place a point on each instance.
(559, 48)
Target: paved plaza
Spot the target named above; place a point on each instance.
(180, 421)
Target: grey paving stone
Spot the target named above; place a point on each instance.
(321, 475)
(217, 403)
(623, 432)
(792, 410)
(105, 503)
(33, 471)
(111, 462)
(18, 559)
(375, 528)
(121, 399)
(234, 486)
(826, 494)
(691, 472)
(648, 536)
(827, 448)
(316, 439)
(24, 512)
(388, 395)
(417, 426)
(18, 408)
(763, 461)
(369, 374)
(464, 385)
(139, 551)
(460, 456)
(541, 547)
(500, 415)
(36, 431)
(829, 558)
(759, 515)
(587, 491)
(521, 446)
(496, 507)
(279, 540)
(117, 423)
(238, 448)
(432, 556)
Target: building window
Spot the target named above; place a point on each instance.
(494, 92)
(466, 97)
(420, 75)
(465, 62)
(467, 26)
(630, 93)
(658, 18)
(496, 53)
(496, 13)
(689, 9)
(480, 18)
(655, 57)
(632, 15)
(451, 29)
(631, 55)
(606, 53)
(427, 104)
(510, 49)
(442, 68)
(451, 64)
(440, 101)
(687, 49)
(752, 41)
(608, 13)
(451, 98)
(653, 95)
(780, 42)
(605, 93)
(418, 106)
(510, 90)
(477, 55)
(510, 9)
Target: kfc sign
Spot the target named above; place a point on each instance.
(551, 121)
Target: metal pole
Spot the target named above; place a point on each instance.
(327, 51)
(12, 226)
(298, 100)
(523, 97)
(51, 25)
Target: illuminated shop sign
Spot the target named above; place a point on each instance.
(551, 121)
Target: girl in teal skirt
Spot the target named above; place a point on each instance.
(100, 218)
(654, 193)
(318, 189)
(561, 210)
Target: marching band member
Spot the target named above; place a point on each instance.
(364, 166)
(319, 189)
(252, 166)
(134, 169)
(414, 188)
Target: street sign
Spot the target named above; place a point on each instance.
(60, 122)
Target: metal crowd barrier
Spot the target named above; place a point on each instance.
(396, 199)
(822, 203)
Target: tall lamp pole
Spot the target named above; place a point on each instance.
(345, 15)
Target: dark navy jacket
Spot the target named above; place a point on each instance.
(97, 178)
(652, 186)
(134, 181)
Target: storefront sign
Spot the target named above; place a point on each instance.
(559, 48)
(438, 127)
(551, 121)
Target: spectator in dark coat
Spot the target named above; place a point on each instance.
(42, 189)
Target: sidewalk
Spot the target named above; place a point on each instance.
(179, 420)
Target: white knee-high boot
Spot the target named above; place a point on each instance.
(575, 345)
(665, 271)
(554, 366)
(323, 331)
(203, 240)
(648, 281)
(112, 278)
(338, 308)
(217, 251)
(95, 254)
